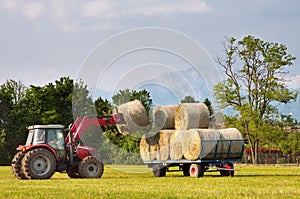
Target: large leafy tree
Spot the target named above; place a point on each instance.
(254, 84)
(11, 126)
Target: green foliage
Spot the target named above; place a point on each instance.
(254, 86)
(188, 99)
(122, 149)
(82, 103)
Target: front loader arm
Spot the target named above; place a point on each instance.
(82, 124)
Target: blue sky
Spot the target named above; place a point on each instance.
(42, 41)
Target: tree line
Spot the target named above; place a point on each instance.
(253, 88)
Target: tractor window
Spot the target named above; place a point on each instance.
(29, 138)
(56, 138)
(39, 136)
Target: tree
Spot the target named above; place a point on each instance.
(127, 95)
(255, 83)
(208, 103)
(82, 103)
(188, 99)
(11, 128)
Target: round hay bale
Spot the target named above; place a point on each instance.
(144, 149)
(135, 117)
(191, 115)
(236, 143)
(164, 144)
(176, 145)
(200, 143)
(153, 141)
(164, 117)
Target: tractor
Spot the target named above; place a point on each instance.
(47, 150)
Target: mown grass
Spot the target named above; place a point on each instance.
(138, 182)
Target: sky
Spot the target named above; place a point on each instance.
(42, 41)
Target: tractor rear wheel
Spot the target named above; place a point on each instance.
(90, 167)
(196, 170)
(17, 166)
(38, 164)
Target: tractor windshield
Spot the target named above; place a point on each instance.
(56, 138)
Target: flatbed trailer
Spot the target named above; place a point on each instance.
(222, 161)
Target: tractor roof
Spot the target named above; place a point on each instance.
(50, 126)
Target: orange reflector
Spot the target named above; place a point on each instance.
(23, 149)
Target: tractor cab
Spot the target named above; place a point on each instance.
(52, 135)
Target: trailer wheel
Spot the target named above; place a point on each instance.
(73, 172)
(38, 164)
(90, 167)
(186, 169)
(196, 170)
(17, 166)
(229, 172)
(159, 170)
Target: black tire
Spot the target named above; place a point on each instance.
(196, 170)
(227, 172)
(38, 164)
(73, 171)
(16, 165)
(90, 167)
(159, 170)
(186, 169)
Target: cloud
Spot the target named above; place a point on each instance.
(8, 5)
(89, 15)
(33, 10)
(293, 82)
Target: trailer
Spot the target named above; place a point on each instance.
(218, 161)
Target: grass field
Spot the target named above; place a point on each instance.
(138, 182)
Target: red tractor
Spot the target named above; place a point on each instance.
(47, 150)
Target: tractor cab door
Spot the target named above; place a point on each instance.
(55, 138)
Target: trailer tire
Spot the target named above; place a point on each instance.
(186, 169)
(90, 167)
(73, 171)
(38, 163)
(159, 170)
(227, 172)
(196, 170)
(16, 165)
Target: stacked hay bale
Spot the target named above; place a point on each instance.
(182, 133)
(200, 143)
(236, 144)
(164, 117)
(135, 116)
(172, 123)
(191, 115)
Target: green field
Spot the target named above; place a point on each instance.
(138, 182)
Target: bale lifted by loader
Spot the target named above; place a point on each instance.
(47, 150)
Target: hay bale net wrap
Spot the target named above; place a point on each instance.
(164, 144)
(200, 143)
(164, 117)
(191, 115)
(176, 144)
(232, 137)
(135, 117)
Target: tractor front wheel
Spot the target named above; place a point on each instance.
(17, 166)
(38, 164)
(90, 167)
